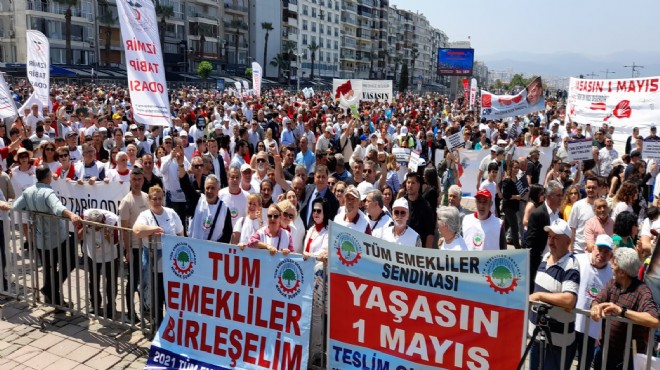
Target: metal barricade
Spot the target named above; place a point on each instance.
(96, 271)
(605, 334)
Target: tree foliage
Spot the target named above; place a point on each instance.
(502, 273)
(204, 69)
(348, 248)
(289, 275)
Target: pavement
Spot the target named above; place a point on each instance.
(35, 337)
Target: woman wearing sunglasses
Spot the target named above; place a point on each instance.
(272, 237)
(289, 215)
(48, 157)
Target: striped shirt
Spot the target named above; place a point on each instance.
(562, 277)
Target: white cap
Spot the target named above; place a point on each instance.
(330, 130)
(183, 133)
(404, 130)
(364, 188)
(344, 126)
(501, 142)
(604, 240)
(245, 166)
(559, 227)
(400, 203)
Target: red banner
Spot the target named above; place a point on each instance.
(466, 88)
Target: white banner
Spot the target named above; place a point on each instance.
(473, 92)
(580, 150)
(144, 62)
(455, 140)
(651, 150)
(362, 90)
(256, 78)
(7, 104)
(246, 86)
(531, 99)
(77, 198)
(38, 65)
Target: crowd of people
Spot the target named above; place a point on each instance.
(270, 172)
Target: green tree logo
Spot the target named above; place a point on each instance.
(289, 276)
(502, 273)
(183, 259)
(348, 248)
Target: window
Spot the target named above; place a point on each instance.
(305, 10)
(314, 12)
(336, 56)
(336, 45)
(320, 41)
(313, 26)
(320, 56)
(313, 39)
(304, 25)
(330, 4)
(321, 28)
(304, 39)
(336, 31)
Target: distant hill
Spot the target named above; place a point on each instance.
(572, 64)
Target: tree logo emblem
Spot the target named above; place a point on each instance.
(502, 274)
(183, 260)
(348, 249)
(478, 241)
(288, 277)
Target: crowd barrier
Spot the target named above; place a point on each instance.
(84, 274)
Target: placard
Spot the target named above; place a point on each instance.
(580, 150)
(454, 141)
(651, 149)
(414, 162)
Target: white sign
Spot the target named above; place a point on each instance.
(473, 92)
(455, 141)
(77, 198)
(7, 104)
(38, 65)
(414, 161)
(256, 78)
(144, 62)
(618, 102)
(402, 154)
(580, 150)
(651, 149)
(530, 99)
(362, 90)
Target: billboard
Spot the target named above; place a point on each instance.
(455, 62)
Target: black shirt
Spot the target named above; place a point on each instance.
(422, 218)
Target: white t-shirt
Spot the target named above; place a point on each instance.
(620, 207)
(492, 187)
(409, 238)
(168, 220)
(236, 203)
(100, 244)
(458, 244)
(246, 228)
(580, 214)
(592, 281)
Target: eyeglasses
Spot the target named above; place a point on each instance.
(340, 191)
(160, 199)
(167, 142)
(399, 213)
(287, 215)
(49, 149)
(273, 217)
(261, 160)
(317, 210)
(367, 171)
(63, 156)
(198, 166)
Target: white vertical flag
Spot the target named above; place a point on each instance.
(7, 105)
(144, 62)
(473, 92)
(38, 65)
(256, 78)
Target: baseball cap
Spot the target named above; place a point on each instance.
(501, 142)
(363, 138)
(404, 130)
(373, 134)
(364, 188)
(400, 203)
(352, 191)
(71, 133)
(245, 166)
(330, 130)
(484, 193)
(559, 227)
(604, 240)
(183, 133)
(132, 127)
(380, 141)
(128, 134)
(218, 126)
(494, 148)
(344, 126)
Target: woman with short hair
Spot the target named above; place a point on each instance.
(449, 226)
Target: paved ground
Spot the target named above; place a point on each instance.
(66, 342)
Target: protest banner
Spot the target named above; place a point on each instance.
(78, 198)
(651, 149)
(414, 161)
(256, 78)
(454, 141)
(439, 156)
(396, 307)
(470, 160)
(7, 104)
(363, 90)
(402, 154)
(232, 309)
(529, 100)
(144, 62)
(38, 65)
(473, 92)
(466, 88)
(580, 149)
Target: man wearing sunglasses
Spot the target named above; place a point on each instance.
(352, 217)
(399, 232)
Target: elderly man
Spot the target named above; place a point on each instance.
(582, 211)
(556, 283)
(595, 272)
(352, 217)
(483, 223)
(400, 232)
(378, 218)
(625, 296)
(50, 233)
(211, 219)
(233, 196)
(600, 224)
(454, 197)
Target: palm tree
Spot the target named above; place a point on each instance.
(106, 19)
(236, 24)
(279, 61)
(267, 26)
(313, 47)
(67, 25)
(164, 12)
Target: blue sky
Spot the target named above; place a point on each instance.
(581, 26)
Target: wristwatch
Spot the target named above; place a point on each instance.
(623, 312)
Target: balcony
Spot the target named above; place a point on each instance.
(347, 20)
(290, 4)
(349, 7)
(201, 17)
(235, 8)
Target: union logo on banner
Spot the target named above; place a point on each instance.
(183, 259)
(289, 277)
(348, 249)
(502, 274)
(138, 18)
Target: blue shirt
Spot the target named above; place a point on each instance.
(307, 158)
(42, 198)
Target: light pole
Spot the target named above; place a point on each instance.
(298, 57)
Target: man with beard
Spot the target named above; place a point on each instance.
(352, 217)
(399, 232)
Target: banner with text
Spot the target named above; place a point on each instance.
(7, 104)
(454, 141)
(396, 307)
(78, 198)
(651, 149)
(618, 102)
(580, 149)
(232, 309)
(256, 78)
(38, 65)
(473, 92)
(144, 62)
(364, 90)
(531, 99)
